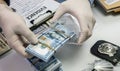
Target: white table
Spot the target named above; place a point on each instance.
(77, 58)
(73, 58)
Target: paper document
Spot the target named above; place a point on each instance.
(32, 9)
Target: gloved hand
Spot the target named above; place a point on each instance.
(15, 30)
(82, 11)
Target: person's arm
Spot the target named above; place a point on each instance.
(80, 9)
(15, 29)
(91, 1)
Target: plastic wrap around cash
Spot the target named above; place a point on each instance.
(52, 39)
(100, 65)
(71, 24)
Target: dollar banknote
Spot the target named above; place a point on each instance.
(50, 41)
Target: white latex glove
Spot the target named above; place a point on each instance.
(82, 11)
(15, 30)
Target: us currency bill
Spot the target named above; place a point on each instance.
(53, 38)
(50, 41)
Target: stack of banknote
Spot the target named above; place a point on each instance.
(52, 65)
(50, 40)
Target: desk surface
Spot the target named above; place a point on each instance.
(77, 58)
(74, 58)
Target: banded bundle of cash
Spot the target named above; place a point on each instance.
(52, 65)
(49, 41)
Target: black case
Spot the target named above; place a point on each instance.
(114, 59)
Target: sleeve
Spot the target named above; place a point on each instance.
(91, 1)
(8, 2)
